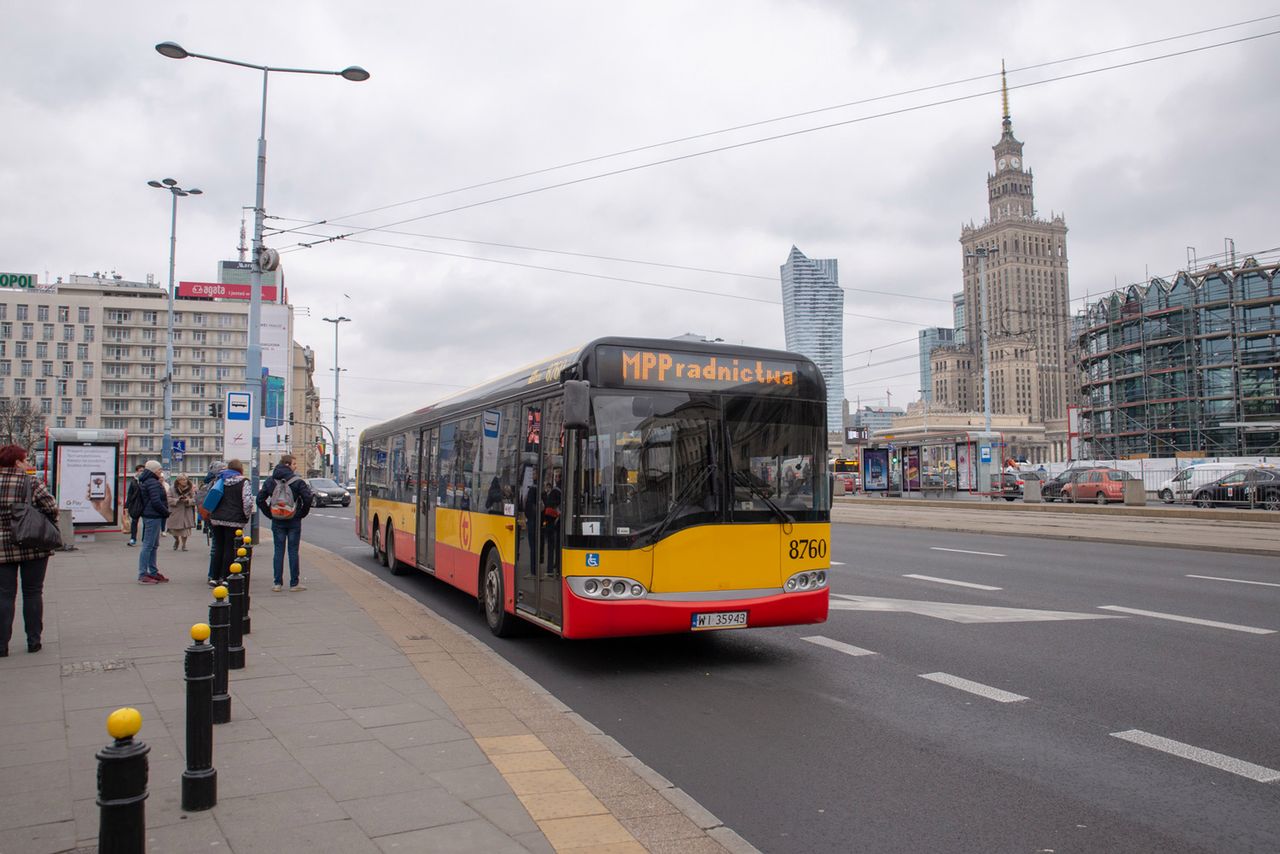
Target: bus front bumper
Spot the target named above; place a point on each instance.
(593, 618)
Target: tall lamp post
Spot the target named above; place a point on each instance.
(262, 259)
(170, 184)
(337, 373)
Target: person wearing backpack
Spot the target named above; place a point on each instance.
(286, 499)
(133, 504)
(230, 506)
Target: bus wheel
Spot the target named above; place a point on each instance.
(390, 553)
(500, 622)
(376, 537)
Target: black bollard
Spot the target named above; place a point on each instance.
(220, 625)
(235, 633)
(243, 557)
(200, 780)
(122, 787)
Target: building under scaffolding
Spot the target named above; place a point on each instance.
(1188, 368)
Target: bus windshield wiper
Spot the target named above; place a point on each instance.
(682, 499)
(745, 480)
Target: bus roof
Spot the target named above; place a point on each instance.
(582, 363)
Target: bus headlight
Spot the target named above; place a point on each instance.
(804, 581)
(606, 588)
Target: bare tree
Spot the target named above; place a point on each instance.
(21, 423)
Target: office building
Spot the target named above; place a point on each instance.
(89, 353)
(869, 419)
(934, 336)
(958, 318)
(813, 316)
(1188, 368)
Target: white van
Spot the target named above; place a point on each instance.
(1180, 487)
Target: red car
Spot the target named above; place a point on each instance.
(1101, 485)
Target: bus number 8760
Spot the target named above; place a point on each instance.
(805, 548)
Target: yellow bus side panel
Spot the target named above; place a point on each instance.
(401, 513)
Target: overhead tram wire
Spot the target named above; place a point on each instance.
(787, 135)
(607, 258)
(761, 122)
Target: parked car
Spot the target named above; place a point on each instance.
(327, 491)
(1253, 487)
(848, 480)
(1006, 485)
(1183, 485)
(1052, 488)
(1101, 485)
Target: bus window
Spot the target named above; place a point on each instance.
(777, 453)
(445, 465)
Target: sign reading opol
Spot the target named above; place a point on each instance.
(17, 280)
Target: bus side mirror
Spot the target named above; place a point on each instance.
(577, 404)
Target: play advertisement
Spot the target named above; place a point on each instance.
(875, 469)
(87, 484)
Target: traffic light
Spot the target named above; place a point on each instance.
(213, 410)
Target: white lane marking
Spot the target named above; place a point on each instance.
(966, 552)
(837, 563)
(974, 687)
(1196, 620)
(956, 583)
(846, 648)
(1220, 761)
(1236, 580)
(956, 613)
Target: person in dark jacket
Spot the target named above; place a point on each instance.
(130, 504)
(19, 562)
(155, 509)
(234, 510)
(286, 533)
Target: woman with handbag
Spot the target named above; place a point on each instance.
(21, 495)
(182, 511)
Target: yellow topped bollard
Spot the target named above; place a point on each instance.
(242, 552)
(236, 568)
(200, 780)
(239, 532)
(200, 632)
(124, 723)
(248, 541)
(220, 592)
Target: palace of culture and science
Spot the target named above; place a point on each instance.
(1027, 314)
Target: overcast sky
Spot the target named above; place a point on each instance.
(1144, 162)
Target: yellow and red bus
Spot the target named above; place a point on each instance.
(627, 487)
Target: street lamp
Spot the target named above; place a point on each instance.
(253, 355)
(337, 372)
(170, 184)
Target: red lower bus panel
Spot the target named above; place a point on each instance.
(589, 618)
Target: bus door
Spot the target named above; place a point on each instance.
(538, 505)
(362, 493)
(427, 483)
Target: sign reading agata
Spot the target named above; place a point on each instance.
(694, 370)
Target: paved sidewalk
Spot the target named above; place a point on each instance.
(362, 722)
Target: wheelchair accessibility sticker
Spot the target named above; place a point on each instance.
(593, 558)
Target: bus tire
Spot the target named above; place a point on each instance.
(493, 597)
(396, 567)
(375, 537)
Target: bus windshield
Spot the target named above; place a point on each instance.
(655, 462)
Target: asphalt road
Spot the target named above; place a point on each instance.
(1094, 728)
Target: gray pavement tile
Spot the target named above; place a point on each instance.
(35, 806)
(360, 770)
(240, 754)
(29, 708)
(380, 696)
(289, 808)
(388, 814)
(396, 713)
(39, 839)
(535, 842)
(479, 781)
(41, 775)
(32, 730)
(197, 832)
(444, 755)
(506, 812)
(298, 715)
(262, 778)
(320, 733)
(264, 702)
(418, 733)
(239, 729)
(256, 684)
(34, 751)
(330, 837)
(472, 837)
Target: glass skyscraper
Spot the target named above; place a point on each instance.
(813, 316)
(934, 336)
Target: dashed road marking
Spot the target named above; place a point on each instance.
(1211, 758)
(838, 646)
(957, 613)
(1181, 619)
(837, 563)
(966, 552)
(1236, 580)
(974, 687)
(949, 581)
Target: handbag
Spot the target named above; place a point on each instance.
(32, 529)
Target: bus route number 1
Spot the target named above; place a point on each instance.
(806, 548)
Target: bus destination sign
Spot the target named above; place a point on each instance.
(675, 369)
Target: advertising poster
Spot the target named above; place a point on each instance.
(964, 466)
(87, 483)
(276, 352)
(875, 466)
(911, 469)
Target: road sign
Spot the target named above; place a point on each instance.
(986, 454)
(239, 405)
(237, 441)
(179, 449)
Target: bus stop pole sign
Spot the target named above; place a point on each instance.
(237, 443)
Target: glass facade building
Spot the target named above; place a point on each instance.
(934, 336)
(1182, 368)
(813, 316)
(958, 319)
